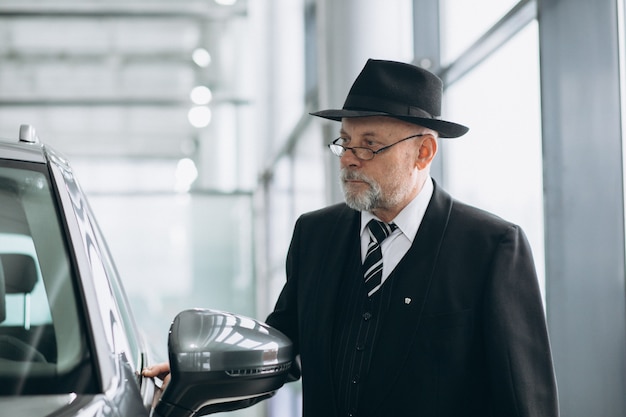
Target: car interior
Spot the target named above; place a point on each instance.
(22, 342)
(43, 343)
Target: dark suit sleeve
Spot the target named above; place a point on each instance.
(521, 372)
(285, 314)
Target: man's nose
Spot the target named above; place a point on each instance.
(349, 158)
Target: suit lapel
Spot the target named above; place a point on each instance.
(345, 232)
(408, 297)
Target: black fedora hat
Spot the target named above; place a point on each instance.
(399, 90)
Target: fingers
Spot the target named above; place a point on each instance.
(166, 381)
(159, 370)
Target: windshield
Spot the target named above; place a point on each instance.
(43, 348)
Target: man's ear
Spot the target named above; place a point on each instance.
(427, 151)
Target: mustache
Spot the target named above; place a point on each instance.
(350, 175)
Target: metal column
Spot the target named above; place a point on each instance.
(584, 204)
(427, 46)
(350, 32)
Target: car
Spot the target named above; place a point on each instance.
(69, 344)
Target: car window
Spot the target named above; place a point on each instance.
(43, 348)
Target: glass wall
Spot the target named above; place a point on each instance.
(498, 164)
(179, 253)
(465, 22)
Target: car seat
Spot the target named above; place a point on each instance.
(18, 275)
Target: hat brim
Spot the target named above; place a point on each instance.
(444, 128)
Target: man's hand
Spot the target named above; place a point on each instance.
(161, 371)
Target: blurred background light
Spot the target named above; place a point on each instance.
(201, 95)
(199, 116)
(186, 174)
(201, 57)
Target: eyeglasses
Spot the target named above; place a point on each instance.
(364, 154)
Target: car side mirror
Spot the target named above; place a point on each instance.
(220, 362)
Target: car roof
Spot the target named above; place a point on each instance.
(22, 152)
(25, 147)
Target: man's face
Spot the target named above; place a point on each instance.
(391, 179)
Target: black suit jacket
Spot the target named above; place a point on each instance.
(465, 334)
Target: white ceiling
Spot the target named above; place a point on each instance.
(112, 78)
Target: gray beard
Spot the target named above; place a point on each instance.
(367, 200)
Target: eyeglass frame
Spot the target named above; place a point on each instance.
(333, 145)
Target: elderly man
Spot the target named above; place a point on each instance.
(404, 301)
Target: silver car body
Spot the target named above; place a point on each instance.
(109, 332)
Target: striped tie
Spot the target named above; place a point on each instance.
(373, 264)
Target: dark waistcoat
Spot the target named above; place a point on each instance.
(357, 323)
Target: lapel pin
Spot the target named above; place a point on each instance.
(407, 300)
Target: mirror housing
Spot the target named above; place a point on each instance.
(220, 362)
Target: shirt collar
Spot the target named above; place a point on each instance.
(410, 218)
